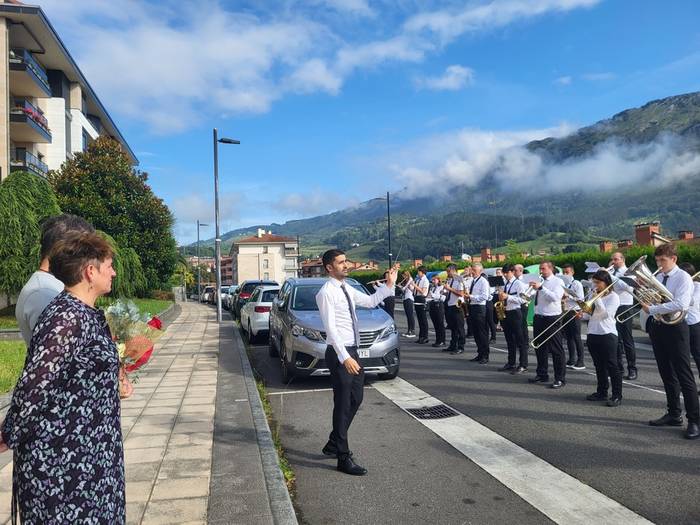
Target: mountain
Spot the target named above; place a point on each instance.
(646, 140)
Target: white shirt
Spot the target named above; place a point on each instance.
(335, 313)
(424, 284)
(35, 296)
(621, 288)
(602, 320)
(456, 283)
(435, 293)
(480, 291)
(548, 297)
(680, 284)
(407, 292)
(514, 288)
(693, 316)
(576, 287)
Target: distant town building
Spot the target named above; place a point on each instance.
(446, 258)
(648, 234)
(264, 256)
(227, 271)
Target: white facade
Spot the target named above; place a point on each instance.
(265, 257)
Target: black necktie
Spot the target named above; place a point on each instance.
(351, 308)
(537, 295)
(449, 293)
(665, 279)
(471, 288)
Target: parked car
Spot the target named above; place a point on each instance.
(255, 314)
(298, 338)
(245, 289)
(226, 299)
(224, 295)
(207, 294)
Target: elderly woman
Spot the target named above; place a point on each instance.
(64, 421)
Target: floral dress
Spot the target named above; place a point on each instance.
(64, 421)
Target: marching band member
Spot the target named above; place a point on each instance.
(625, 341)
(436, 308)
(671, 344)
(453, 290)
(602, 341)
(547, 312)
(420, 293)
(512, 324)
(389, 303)
(518, 271)
(572, 331)
(479, 293)
(407, 296)
(693, 316)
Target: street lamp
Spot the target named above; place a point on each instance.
(217, 240)
(388, 225)
(199, 268)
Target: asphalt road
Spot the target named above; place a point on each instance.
(415, 477)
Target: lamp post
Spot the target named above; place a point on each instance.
(388, 226)
(199, 268)
(217, 239)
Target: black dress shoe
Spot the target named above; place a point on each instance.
(457, 352)
(519, 370)
(538, 379)
(492, 339)
(506, 368)
(448, 349)
(693, 431)
(614, 402)
(597, 396)
(331, 450)
(557, 385)
(667, 421)
(476, 359)
(437, 345)
(483, 360)
(631, 376)
(348, 466)
(422, 341)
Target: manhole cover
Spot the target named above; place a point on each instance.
(434, 412)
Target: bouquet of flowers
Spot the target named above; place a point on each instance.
(134, 332)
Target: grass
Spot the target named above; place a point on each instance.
(285, 467)
(12, 355)
(7, 321)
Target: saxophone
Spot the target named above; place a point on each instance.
(500, 307)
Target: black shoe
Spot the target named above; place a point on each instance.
(614, 402)
(506, 368)
(667, 421)
(422, 341)
(538, 379)
(448, 348)
(569, 364)
(348, 466)
(597, 396)
(437, 345)
(331, 450)
(578, 366)
(493, 339)
(519, 370)
(476, 359)
(557, 385)
(693, 431)
(631, 376)
(457, 352)
(483, 360)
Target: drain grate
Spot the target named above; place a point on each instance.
(434, 412)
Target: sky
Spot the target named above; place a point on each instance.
(339, 101)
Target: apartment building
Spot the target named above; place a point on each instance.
(265, 256)
(48, 110)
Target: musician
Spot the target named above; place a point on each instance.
(547, 312)
(572, 331)
(468, 279)
(406, 288)
(512, 324)
(693, 316)
(479, 293)
(671, 344)
(518, 272)
(436, 308)
(625, 340)
(602, 340)
(453, 290)
(389, 303)
(491, 312)
(420, 293)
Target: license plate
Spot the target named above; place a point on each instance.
(363, 352)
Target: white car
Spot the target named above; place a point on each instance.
(255, 314)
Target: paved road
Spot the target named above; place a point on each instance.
(417, 477)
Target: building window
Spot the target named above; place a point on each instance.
(266, 276)
(86, 140)
(266, 264)
(264, 249)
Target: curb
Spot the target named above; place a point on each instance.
(280, 502)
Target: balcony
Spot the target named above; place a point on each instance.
(22, 160)
(28, 123)
(27, 77)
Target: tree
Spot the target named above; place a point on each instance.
(25, 201)
(101, 186)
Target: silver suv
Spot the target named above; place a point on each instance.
(297, 336)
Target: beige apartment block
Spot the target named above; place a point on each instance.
(48, 110)
(265, 256)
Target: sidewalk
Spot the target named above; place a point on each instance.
(170, 438)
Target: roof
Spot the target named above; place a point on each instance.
(266, 238)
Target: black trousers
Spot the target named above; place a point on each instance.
(513, 330)
(455, 321)
(671, 345)
(348, 391)
(480, 329)
(422, 316)
(491, 319)
(695, 344)
(572, 332)
(437, 316)
(389, 305)
(554, 346)
(410, 320)
(525, 310)
(603, 349)
(625, 342)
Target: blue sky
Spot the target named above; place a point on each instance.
(337, 101)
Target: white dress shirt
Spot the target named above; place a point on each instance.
(335, 313)
(548, 297)
(602, 320)
(435, 293)
(680, 284)
(514, 288)
(407, 292)
(480, 291)
(621, 288)
(693, 316)
(424, 284)
(455, 283)
(576, 287)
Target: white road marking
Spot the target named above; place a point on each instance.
(559, 496)
(286, 392)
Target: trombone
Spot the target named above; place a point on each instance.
(585, 306)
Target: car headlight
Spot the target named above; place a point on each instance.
(387, 332)
(312, 335)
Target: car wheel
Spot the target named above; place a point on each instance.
(271, 350)
(287, 373)
(390, 375)
(251, 336)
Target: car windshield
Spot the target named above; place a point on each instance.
(269, 295)
(305, 297)
(249, 287)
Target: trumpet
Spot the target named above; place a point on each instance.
(380, 281)
(527, 295)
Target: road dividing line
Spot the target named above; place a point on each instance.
(561, 497)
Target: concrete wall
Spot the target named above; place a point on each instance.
(55, 152)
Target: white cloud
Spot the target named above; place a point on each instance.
(454, 78)
(313, 202)
(354, 7)
(599, 77)
(564, 81)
